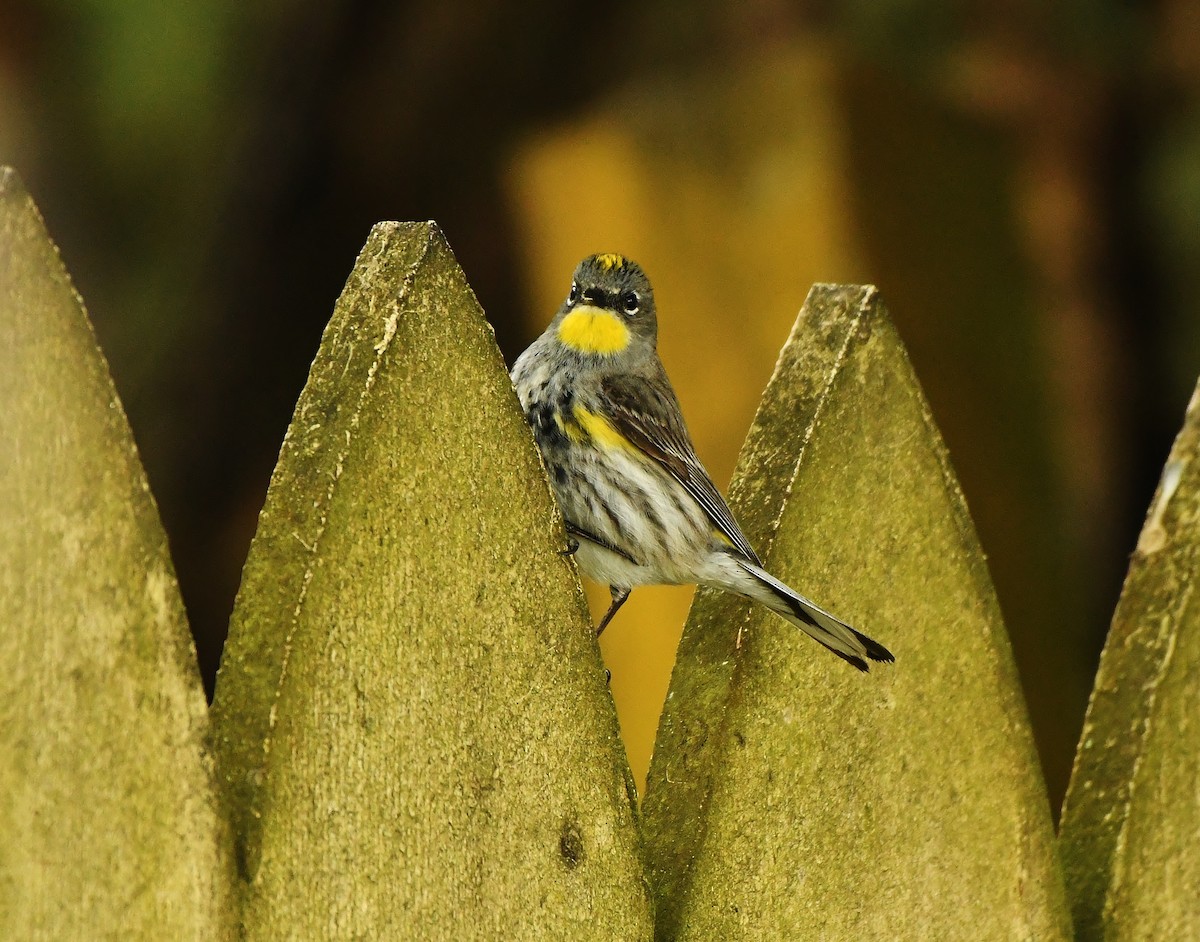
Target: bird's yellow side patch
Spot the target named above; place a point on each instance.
(594, 331)
(571, 429)
(610, 260)
(601, 431)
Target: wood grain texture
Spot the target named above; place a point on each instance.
(1130, 830)
(792, 797)
(412, 720)
(109, 825)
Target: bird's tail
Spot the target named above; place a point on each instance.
(840, 638)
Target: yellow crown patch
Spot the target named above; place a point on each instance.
(610, 260)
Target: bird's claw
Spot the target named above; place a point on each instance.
(572, 547)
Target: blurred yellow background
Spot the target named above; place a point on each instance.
(1021, 181)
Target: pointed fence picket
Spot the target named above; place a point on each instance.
(411, 718)
(109, 821)
(788, 796)
(1131, 820)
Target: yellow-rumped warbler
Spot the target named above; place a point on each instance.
(637, 503)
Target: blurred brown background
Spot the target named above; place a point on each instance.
(1021, 179)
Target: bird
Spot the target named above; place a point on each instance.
(637, 504)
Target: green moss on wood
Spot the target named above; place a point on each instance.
(1131, 821)
(108, 815)
(412, 718)
(791, 796)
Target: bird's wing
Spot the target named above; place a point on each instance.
(648, 415)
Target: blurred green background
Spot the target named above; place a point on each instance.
(1022, 180)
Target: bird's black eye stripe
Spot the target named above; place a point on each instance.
(574, 295)
(630, 302)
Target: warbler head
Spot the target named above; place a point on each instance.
(609, 310)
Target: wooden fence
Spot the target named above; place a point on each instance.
(412, 737)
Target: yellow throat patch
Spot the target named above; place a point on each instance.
(594, 331)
